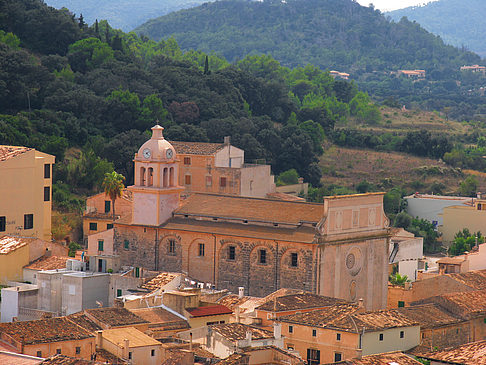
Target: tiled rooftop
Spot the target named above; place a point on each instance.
(159, 281)
(251, 209)
(48, 263)
(137, 338)
(66, 360)
(474, 279)
(44, 330)
(12, 358)
(11, 243)
(211, 310)
(429, 315)
(158, 315)
(7, 152)
(469, 354)
(237, 331)
(465, 305)
(82, 320)
(234, 359)
(299, 301)
(388, 358)
(114, 317)
(196, 148)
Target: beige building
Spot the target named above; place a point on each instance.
(456, 218)
(25, 192)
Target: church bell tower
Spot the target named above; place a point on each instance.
(155, 192)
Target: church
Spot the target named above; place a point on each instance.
(337, 248)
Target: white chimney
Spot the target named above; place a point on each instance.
(277, 330)
(248, 337)
(241, 291)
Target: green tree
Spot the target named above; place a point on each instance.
(469, 186)
(288, 177)
(113, 187)
(397, 279)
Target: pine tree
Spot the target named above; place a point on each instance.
(206, 66)
(97, 29)
(81, 23)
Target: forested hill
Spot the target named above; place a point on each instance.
(458, 22)
(123, 14)
(332, 34)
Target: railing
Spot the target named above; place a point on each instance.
(28, 314)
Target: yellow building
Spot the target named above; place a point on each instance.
(14, 255)
(25, 192)
(458, 217)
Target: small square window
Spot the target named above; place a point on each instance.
(381, 336)
(109, 226)
(291, 329)
(338, 336)
(337, 356)
(222, 182)
(187, 179)
(107, 206)
(39, 354)
(47, 171)
(401, 304)
(126, 244)
(119, 293)
(78, 350)
(231, 252)
(152, 352)
(172, 244)
(130, 355)
(209, 181)
(101, 245)
(3, 224)
(58, 351)
(47, 193)
(290, 346)
(201, 249)
(262, 256)
(314, 333)
(187, 160)
(402, 334)
(293, 259)
(28, 221)
(93, 226)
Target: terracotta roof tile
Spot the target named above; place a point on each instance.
(473, 279)
(250, 209)
(160, 316)
(285, 197)
(11, 243)
(429, 315)
(237, 331)
(12, 358)
(299, 301)
(159, 281)
(466, 305)
(82, 320)
(210, 310)
(114, 317)
(137, 338)
(388, 358)
(469, 354)
(44, 330)
(49, 263)
(196, 148)
(66, 360)
(7, 152)
(235, 359)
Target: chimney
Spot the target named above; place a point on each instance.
(227, 140)
(190, 341)
(237, 314)
(22, 342)
(478, 195)
(277, 330)
(126, 348)
(248, 337)
(241, 291)
(99, 339)
(361, 306)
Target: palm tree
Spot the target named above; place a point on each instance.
(113, 186)
(398, 279)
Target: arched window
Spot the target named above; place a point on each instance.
(150, 178)
(171, 176)
(142, 176)
(166, 177)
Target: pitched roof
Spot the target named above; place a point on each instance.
(12, 358)
(7, 152)
(44, 330)
(299, 301)
(66, 360)
(346, 317)
(48, 263)
(387, 358)
(235, 359)
(211, 310)
(250, 209)
(114, 317)
(135, 337)
(429, 315)
(465, 305)
(469, 354)
(237, 331)
(84, 321)
(196, 148)
(158, 315)
(474, 279)
(11, 243)
(159, 281)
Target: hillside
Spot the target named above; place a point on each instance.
(331, 34)
(457, 22)
(123, 14)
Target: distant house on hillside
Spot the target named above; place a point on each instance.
(412, 74)
(474, 68)
(339, 75)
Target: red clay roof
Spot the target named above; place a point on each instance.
(49, 263)
(7, 152)
(11, 243)
(469, 354)
(159, 281)
(211, 310)
(196, 148)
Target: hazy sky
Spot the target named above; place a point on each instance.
(385, 5)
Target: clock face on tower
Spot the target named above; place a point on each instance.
(146, 153)
(169, 153)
